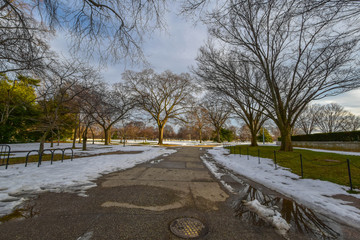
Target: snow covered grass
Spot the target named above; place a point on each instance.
(18, 183)
(321, 165)
(315, 194)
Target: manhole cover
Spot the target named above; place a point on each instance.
(187, 228)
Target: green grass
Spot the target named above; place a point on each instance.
(145, 143)
(35, 158)
(316, 165)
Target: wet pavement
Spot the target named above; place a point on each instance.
(142, 202)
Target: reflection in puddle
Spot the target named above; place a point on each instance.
(301, 219)
(23, 212)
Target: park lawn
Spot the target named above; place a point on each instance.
(316, 165)
(35, 158)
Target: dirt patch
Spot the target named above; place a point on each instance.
(331, 160)
(353, 201)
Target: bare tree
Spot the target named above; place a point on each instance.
(198, 118)
(218, 112)
(222, 74)
(61, 83)
(22, 45)
(164, 96)
(307, 119)
(331, 118)
(110, 29)
(109, 106)
(352, 122)
(296, 48)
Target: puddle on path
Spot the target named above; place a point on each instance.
(24, 211)
(301, 219)
(304, 222)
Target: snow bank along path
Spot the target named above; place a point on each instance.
(17, 182)
(314, 194)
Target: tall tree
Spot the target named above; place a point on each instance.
(304, 53)
(331, 118)
(110, 29)
(62, 82)
(109, 106)
(22, 39)
(352, 122)
(306, 121)
(218, 112)
(198, 118)
(221, 73)
(164, 96)
(18, 109)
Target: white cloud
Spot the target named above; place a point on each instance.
(350, 100)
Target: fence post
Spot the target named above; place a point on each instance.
(62, 156)
(52, 156)
(8, 156)
(40, 157)
(348, 165)
(301, 164)
(275, 159)
(240, 151)
(258, 156)
(247, 151)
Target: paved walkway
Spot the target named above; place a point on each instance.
(140, 203)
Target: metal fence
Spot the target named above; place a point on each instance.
(302, 164)
(6, 151)
(4, 155)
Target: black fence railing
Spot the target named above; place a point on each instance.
(4, 155)
(304, 165)
(6, 151)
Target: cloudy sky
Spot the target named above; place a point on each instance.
(176, 49)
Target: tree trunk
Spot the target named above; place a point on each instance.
(52, 140)
(74, 140)
(253, 138)
(218, 135)
(80, 135)
(93, 136)
(42, 143)
(106, 132)
(84, 135)
(58, 135)
(79, 129)
(200, 136)
(161, 134)
(286, 144)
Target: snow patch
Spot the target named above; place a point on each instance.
(269, 215)
(314, 194)
(18, 183)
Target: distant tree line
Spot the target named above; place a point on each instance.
(327, 118)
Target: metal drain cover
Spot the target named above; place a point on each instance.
(187, 227)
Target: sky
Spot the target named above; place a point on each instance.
(176, 49)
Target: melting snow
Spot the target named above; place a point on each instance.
(18, 183)
(315, 194)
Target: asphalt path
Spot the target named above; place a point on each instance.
(142, 202)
